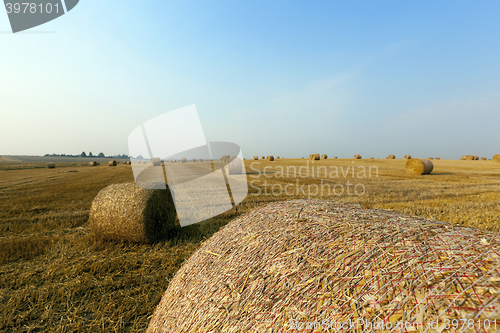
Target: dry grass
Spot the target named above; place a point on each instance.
(58, 277)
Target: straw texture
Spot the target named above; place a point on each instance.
(127, 212)
(311, 260)
(270, 158)
(324, 157)
(407, 157)
(93, 163)
(112, 163)
(256, 157)
(496, 158)
(469, 157)
(391, 157)
(357, 157)
(418, 166)
(51, 165)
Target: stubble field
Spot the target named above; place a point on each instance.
(56, 276)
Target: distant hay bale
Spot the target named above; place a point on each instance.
(51, 165)
(476, 157)
(112, 163)
(483, 158)
(407, 157)
(127, 212)
(314, 157)
(263, 157)
(371, 158)
(437, 158)
(306, 261)
(357, 157)
(335, 157)
(324, 157)
(469, 157)
(496, 158)
(194, 159)
(156, 161)
(463, 157)
(418, 166)
(391, 157)
(256, 157)
(431, 158)
(183, 160)
(93, 163)
(128, 162)
(270, 158)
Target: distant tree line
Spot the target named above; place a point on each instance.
(83, 154)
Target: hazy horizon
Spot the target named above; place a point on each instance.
(282, 78)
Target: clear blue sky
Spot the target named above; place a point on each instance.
(287, 78)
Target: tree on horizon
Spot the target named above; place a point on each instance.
(83, 154)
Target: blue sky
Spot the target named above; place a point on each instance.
(287, 78)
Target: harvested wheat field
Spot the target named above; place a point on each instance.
(58, 275)
(311, 261)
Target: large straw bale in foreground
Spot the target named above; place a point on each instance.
(128, 212)
(419, 166)
(308, 261)
(496, 158)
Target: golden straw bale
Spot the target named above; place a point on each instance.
(371, 158)
(419, 166)
(357, 157)
(51, 165)
(496, 158)
(93, 163)
(112, 163)
(156, 161)
(194, 159)
(127, 212)
(256, 157)
(303, 261)
(391, 157)
(407, 157)
(183, 160)
(270, 158)
(483, 158)
(437, 158)
(263, 157)
(431, 158)
(335, 157)
(469, 157)
(316, 157)
(476, 157)
(324, 157)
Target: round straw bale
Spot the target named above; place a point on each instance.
(316, 157)
(407, 157)
(483, 158)
(437, 158)
(112, 163)
(277, 157)
(93, 163)
(270, 158)
(419, 166)
(240, 281)
(263, 157)
(156, 161)
(371, 158)
(469, 157)
(476, 157)
(194, 159)
(335, 157)
(256, 157)
(324, 157)
(431, 158)
(127, 212)
(357, 157)
(183, 160)
(51, 165)
(496, 158)
(391, 157)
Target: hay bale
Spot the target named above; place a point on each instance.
(469, 157)
(331, 261)
(194, 159)
(437, 158)
(324, 157)
(256, 157)
(183, 160)
(371, 158)
(391, 157)
(418, 166)
(407, 157)
(51, 165)
(334, 157)
(93, 163)
(127, 212)
(476, 158)
(263, 157)
(270, 158)
(357, 157)
(156, 161)
(430, 158)
(112, 163)
(496, 158)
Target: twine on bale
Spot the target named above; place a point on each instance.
(418, 166)
(51, 165)
(269, 270)
(127, 212)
